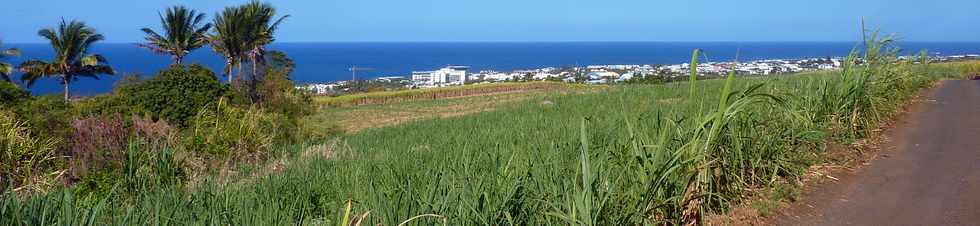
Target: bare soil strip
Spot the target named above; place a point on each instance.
(926, 173)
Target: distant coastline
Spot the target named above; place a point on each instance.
(597, 74)
(330, 62)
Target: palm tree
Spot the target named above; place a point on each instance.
(242, 32)
(227, 38)
(182, 33)
(5, 68)
(71, 42)
(262, 28)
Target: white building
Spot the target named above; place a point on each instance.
(391, 78)
(628, 76)
(451, 75)
(318, 88)
(497, 76)
(543, 76)
(595, 75)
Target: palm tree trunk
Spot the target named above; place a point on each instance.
(231, 71)
(64, 80)
(230, 68)
(254, 84)
(178, 59)
(240, 73)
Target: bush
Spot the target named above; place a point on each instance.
(223, 132)
(106, 105)
(175, 94)
(278, 94)
(10, 94)
(23, 159)
(97, 144)
(105, 152)
(46, 117)
(155, 132)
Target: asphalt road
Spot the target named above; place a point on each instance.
(927, 173)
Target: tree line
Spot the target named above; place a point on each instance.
(240, 34)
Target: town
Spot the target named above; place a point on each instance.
(455, 75)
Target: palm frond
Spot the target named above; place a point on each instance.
(5, 71)
(5, 68)
(32, 70)
(94, 70)
(92, 60)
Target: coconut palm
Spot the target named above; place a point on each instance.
(263, 26)
(5, 68)
(227, 38)
(71, 42)
(182, 33)
(242, 32)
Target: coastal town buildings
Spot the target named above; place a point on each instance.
(603, 74)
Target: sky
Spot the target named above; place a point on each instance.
(530, 20)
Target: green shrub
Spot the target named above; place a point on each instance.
(107, 105)
(10, 94)
(97, 182)
(278, 94)
(46, 116)
(175, 94)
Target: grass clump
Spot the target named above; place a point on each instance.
(25, 160)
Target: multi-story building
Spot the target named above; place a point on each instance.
(451, 75)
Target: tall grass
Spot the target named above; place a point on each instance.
(24, 159)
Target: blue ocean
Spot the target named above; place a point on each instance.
(325, 62)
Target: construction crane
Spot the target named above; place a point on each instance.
(353, 71)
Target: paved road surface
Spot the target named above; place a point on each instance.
(928, 172)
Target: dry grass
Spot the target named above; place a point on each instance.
(357, 118)
(391, 97)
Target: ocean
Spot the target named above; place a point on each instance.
(325, 62)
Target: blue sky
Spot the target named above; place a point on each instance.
(533, 20)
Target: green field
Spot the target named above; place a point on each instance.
(180, 147)
(533, 155)
(624, 155)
